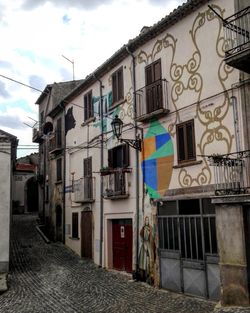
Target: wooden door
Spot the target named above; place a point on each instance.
(86, 234)
(122, 245)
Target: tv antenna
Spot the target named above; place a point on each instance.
(73, 65)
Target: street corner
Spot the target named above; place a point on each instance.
(3, 282)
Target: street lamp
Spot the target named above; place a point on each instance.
(117, 125)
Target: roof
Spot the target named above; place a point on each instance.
(59, 90)
(7, 136)
(145, 35)
(23, 167)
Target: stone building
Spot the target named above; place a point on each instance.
(49, 133)
(25, 185)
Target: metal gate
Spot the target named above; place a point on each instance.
(188, 248)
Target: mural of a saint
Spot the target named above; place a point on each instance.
(146, 254)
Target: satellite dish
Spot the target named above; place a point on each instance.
(47, 128)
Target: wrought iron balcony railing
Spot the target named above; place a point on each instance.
(231, 173)
(152, 100)
(237, 37)
(116, 184)
(83, 190)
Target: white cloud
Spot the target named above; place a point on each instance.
(37, 33)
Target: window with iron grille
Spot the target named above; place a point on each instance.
(186, 142)
(154, 99)
(59, 169)
(188, 226)
(117, 85)
(75, 225)
(88, 106)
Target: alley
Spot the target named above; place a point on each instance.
(50, 278)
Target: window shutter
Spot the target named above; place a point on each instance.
(190, 140)
(181, 143)
(85, 108)
(157, 70)
(148, 75)
(125, 150)
(120, 84)
(110, 158)
(114, 87)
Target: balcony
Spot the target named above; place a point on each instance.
(237, 39)
(83, 190)
(116, 183)
(231, 173)
(152, 100)
(55, 144)
(37, 135)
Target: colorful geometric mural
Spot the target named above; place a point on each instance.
(157, 160)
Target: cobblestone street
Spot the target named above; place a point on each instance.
(50, 278)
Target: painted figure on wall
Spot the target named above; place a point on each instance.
(147, 253)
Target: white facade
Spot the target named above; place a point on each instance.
(7, 144)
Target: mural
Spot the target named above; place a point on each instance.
(70, 121)
(147, 251)
(157, 160)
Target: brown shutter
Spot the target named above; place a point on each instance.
(120, 84)
(110, 158)
(157, 70)
(125, 151)
(114, 87)
(74, 225)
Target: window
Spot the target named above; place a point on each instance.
(118, 157)
(117, 85)
(59, 169)
(88, 106)
(153, 86)
(59, 132)
(186, 142)
(87, 174)
(75, 225)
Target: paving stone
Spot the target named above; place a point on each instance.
(48, 278)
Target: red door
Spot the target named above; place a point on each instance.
(122, 245)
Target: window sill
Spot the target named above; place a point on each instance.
(71, 238)
(116, 104)
(188, 163)
(89, 120)
(58, 182)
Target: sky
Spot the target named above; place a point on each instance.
(40, 39)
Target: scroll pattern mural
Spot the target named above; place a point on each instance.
(188, 78)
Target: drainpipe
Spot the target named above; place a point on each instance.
(137, 189)
(101, 178)
(233, 100)
(64, 175)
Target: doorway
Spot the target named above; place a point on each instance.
(86, 234)
(122, 242)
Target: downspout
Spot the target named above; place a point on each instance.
(101, 178)
(64, 175)
(137, 190)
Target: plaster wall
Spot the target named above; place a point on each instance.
(5, 208)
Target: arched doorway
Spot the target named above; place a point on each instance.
(31, 190)
(59, 223)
